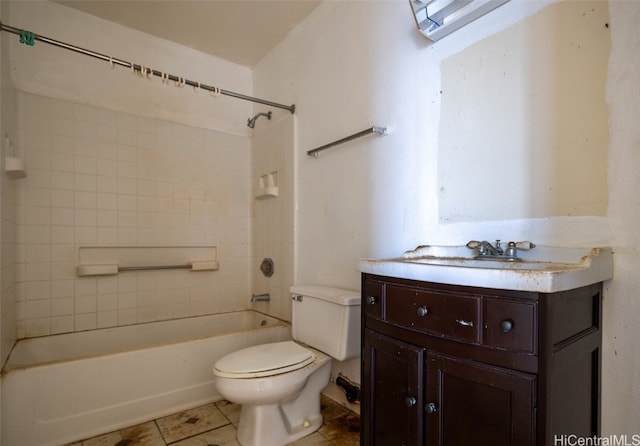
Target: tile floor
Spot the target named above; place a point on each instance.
(215, 425)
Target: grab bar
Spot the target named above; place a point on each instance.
(382, 131)
(109, 270)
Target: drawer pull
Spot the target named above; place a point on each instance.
(423, 311)
(506, 326)
(371, 300)
(430, 408)
(465, 323)
(410, 401)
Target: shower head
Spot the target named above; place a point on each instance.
(251, 122)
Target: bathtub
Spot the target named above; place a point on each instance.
(63, 388)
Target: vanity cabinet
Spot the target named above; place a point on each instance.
(446, 365)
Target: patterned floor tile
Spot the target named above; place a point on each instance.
(230, 410)
(343, 431)
(146, 434)
(216, 424)
(191, 422)
(330, 409)
(314, 439)
(223, 436)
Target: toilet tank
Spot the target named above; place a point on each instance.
(327, 319)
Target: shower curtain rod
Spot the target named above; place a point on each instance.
(29, 38)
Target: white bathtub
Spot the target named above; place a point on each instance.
(58, 389)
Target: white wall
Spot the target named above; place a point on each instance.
(351, 65)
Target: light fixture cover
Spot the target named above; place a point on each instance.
(438, 18)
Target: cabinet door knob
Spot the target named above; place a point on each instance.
(506, 326)
(410, 401)
(371, 300)
(423, 311)
(430, 408)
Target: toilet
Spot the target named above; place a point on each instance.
(279, 384)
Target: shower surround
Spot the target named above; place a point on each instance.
(103, 178)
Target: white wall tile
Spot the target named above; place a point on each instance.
(86, 286)
(85, 235)
(62, 125)
(99, 177)
(62, 234)
(59, 198)
(86, 304)
(87, 321)
(62, 324)
(62, 217)
(106, 167)
(40, 308)
(107, 319)
(63, 143)
(37, 290)
(63, 270)
(85, 200)
(62, 180)
(62, 306)
(62, 289)
(37, 327)
(107, 236)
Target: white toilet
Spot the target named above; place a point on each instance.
(279, 384)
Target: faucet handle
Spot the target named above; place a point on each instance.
(473, 244)
(525, 245)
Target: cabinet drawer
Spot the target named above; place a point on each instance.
(440, 314)
(510, 325)
(372, 295)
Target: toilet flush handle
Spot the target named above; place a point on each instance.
(297, 298)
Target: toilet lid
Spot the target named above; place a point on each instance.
(264, 360)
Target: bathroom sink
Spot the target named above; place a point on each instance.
(492, 264)
(544, 269)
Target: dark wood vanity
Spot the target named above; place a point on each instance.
(448, 365)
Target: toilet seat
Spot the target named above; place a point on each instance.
(264, 360)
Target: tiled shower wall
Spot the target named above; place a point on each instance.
(102, 178)
(7, 205)
(273, 219)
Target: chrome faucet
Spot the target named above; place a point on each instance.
(260, 297)
(487, 251)
(485, 248)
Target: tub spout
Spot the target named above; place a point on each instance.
(261, 297)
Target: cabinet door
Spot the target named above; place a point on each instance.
(470, 403)
(392, 392)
